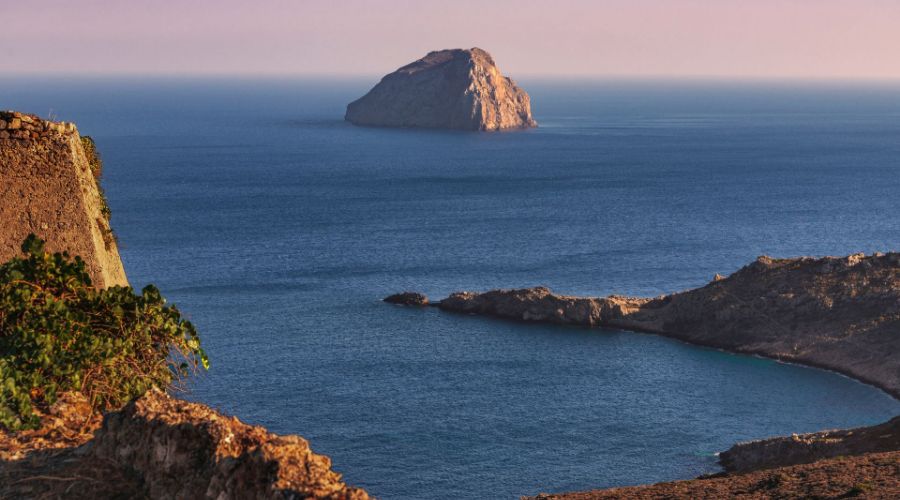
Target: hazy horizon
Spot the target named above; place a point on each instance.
(827, 40)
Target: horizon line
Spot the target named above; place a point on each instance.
(535, 76)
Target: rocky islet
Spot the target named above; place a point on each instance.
(451, 89)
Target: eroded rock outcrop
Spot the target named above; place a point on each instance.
(453, 89)
(162, 447)
(47, 187)
(837, 313)
(807, 448)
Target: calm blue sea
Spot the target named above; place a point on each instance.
(276, 227)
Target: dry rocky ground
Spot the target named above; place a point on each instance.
(161, 447)
(875, 475)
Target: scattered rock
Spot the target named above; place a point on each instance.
(407, 299)
(36, 126)
(67, 423)
(453, 89)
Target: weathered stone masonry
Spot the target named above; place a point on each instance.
(47, 188)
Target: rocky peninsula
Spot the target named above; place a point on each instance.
(450, 89)
(837, 313)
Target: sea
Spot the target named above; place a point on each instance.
(277, 228)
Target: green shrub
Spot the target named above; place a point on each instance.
(58, 333)
(93, 156)
(96, 165)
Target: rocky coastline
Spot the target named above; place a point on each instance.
(837, 313)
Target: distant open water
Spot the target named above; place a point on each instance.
(276, 227)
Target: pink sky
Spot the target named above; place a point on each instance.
(856, 39)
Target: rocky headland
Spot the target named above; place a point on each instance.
(837, 313)
(451, 89)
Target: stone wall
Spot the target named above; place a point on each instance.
(15, 125)
(47, 188)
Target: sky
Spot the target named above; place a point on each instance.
(764, 39)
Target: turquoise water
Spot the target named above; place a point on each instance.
(277, 228)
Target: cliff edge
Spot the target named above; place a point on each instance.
(49, 187)
(452, 89)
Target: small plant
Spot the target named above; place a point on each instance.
(772, 482)
(93, 156)
(857, 490)
(96, 165)
(58, 333)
